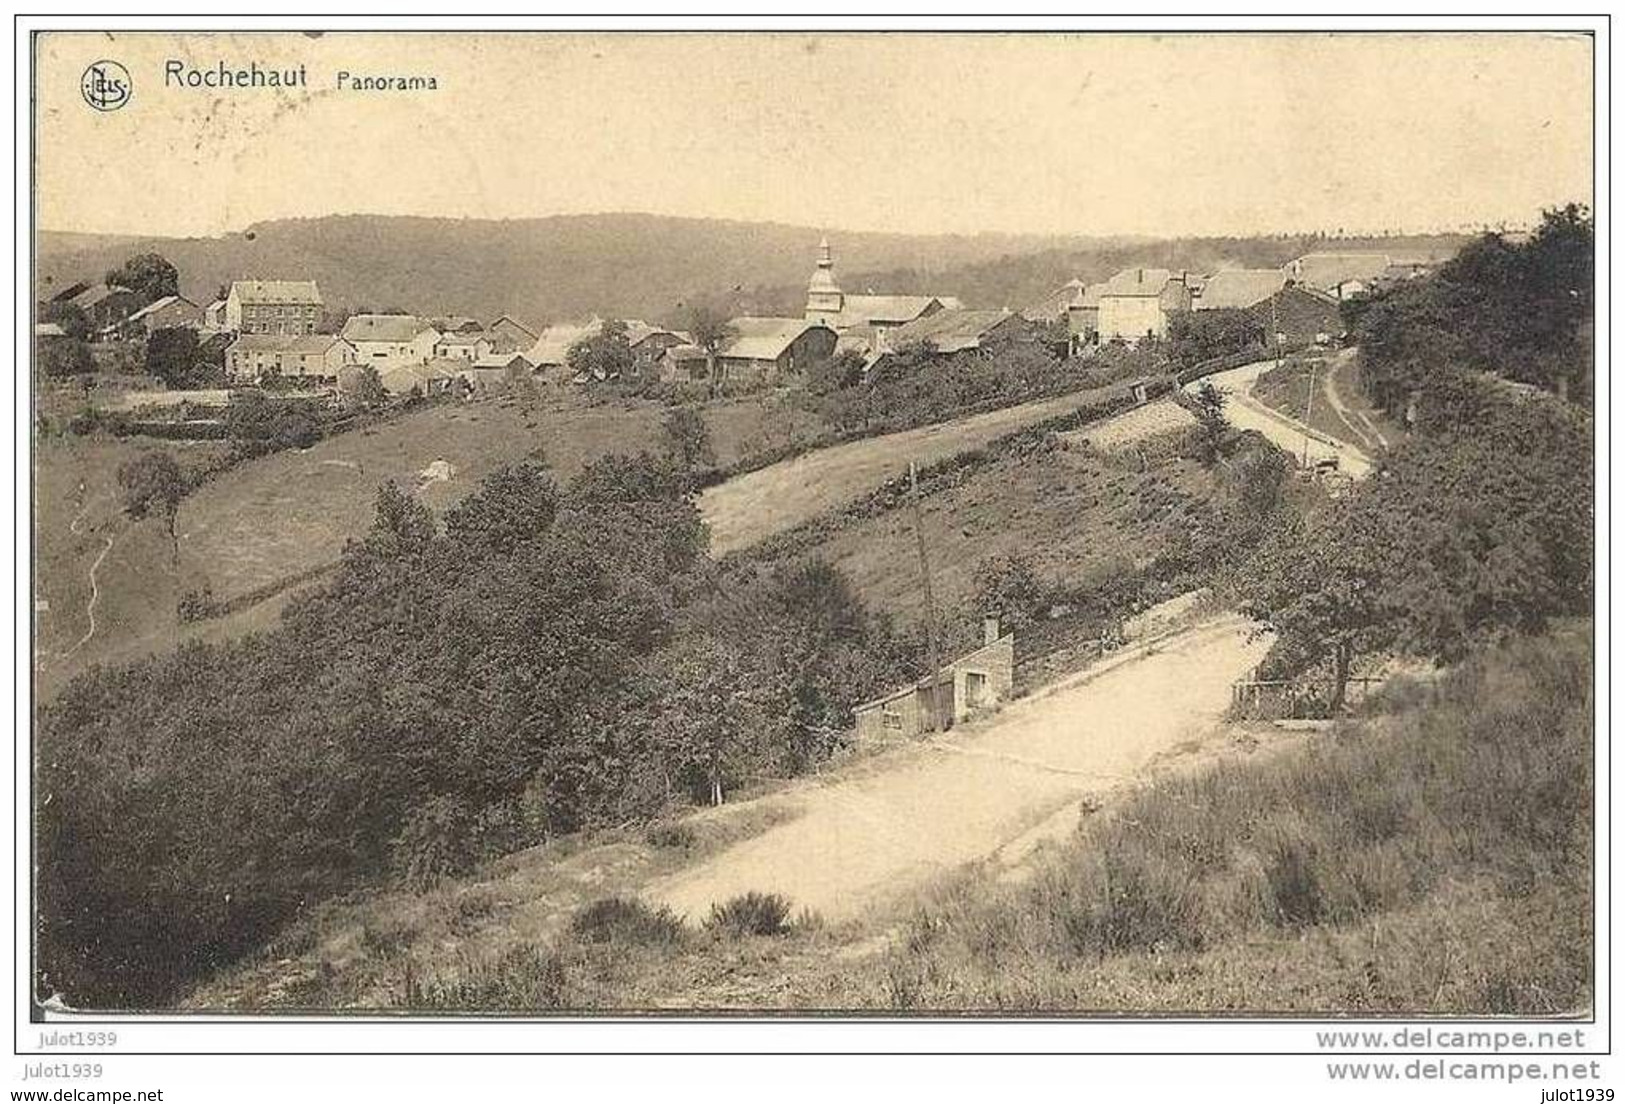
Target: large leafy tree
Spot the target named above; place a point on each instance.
(1459, 536)
(148, 274)
(603, 355)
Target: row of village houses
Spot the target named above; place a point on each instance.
(273, 325)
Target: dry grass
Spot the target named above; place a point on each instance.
(1078, 514)
(1435, 860)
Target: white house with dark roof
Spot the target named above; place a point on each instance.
(313, 357)
(273, 307)
(1138, 303)
(388, 341)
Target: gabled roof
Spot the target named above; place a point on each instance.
(457, 323)
(1328, 270)
(1137, 282)
(762, 338)
(159, 304)
(277, 291)
(457, 338)
(1240, 287)
(639, 332)
(529, 331)
(49, 329)
(397, 328)
(553, 345)
(1056, 303)
(286, 343)
(858, 310)
(93, 295)
(949, 331)
(502, 360)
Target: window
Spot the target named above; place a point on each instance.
(890, 718)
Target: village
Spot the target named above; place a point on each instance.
(275, 332)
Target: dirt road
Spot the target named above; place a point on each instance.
(866, 838)
(1291, 436)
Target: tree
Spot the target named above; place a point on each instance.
(64, 357)
(710, 330)
(1009, 587)
(1212, 428)
(366, 388)
(1460, 536)
(153, 483)
(688, 438)
(604, 355)
(147, 274)
(839, 372)
(69, 315)
(1195, 336)
(172, 355)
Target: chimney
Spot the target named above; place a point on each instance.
(990, 629)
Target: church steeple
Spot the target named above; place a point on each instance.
(824, 298)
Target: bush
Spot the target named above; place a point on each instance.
(626, 920)
(676, 837)
(750, 913)
(522, 979)
(436, 843)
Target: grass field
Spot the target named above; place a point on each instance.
(743, 511)
(1338, 409)
(1078, 514)
(276, 517)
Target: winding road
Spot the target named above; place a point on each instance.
(1308, 446)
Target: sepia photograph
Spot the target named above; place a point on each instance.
(826, 524)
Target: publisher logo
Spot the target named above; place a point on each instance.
(105, 85)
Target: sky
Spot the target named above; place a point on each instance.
(1078, 134)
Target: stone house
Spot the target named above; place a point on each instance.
(273, 307)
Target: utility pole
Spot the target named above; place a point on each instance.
(930, 605)
(1308, 409)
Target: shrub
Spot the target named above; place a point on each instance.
(437, 842)
(750, 913)
(676, 837)
(626, 920)
(526, 977)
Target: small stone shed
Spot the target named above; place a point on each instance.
(971, 682)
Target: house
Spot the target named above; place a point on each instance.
(214, 315)
(1054, 306)
(509, 330)
(1083, 320)
(317, 358)
(649, 343)
(550, 352)
(457, 324)
(170, 312)
(1138, 302)
(462, 345)
(955, 331)
(829, 306)
(771, 350)
(389, 341)
(497, 370)
(1297, 315)
(1340, 275)
(273, 307)
(1239, 288)
(682, 364)
(975, 681)
(47, 332)
(104, 306)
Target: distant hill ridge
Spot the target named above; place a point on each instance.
(644, 266)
